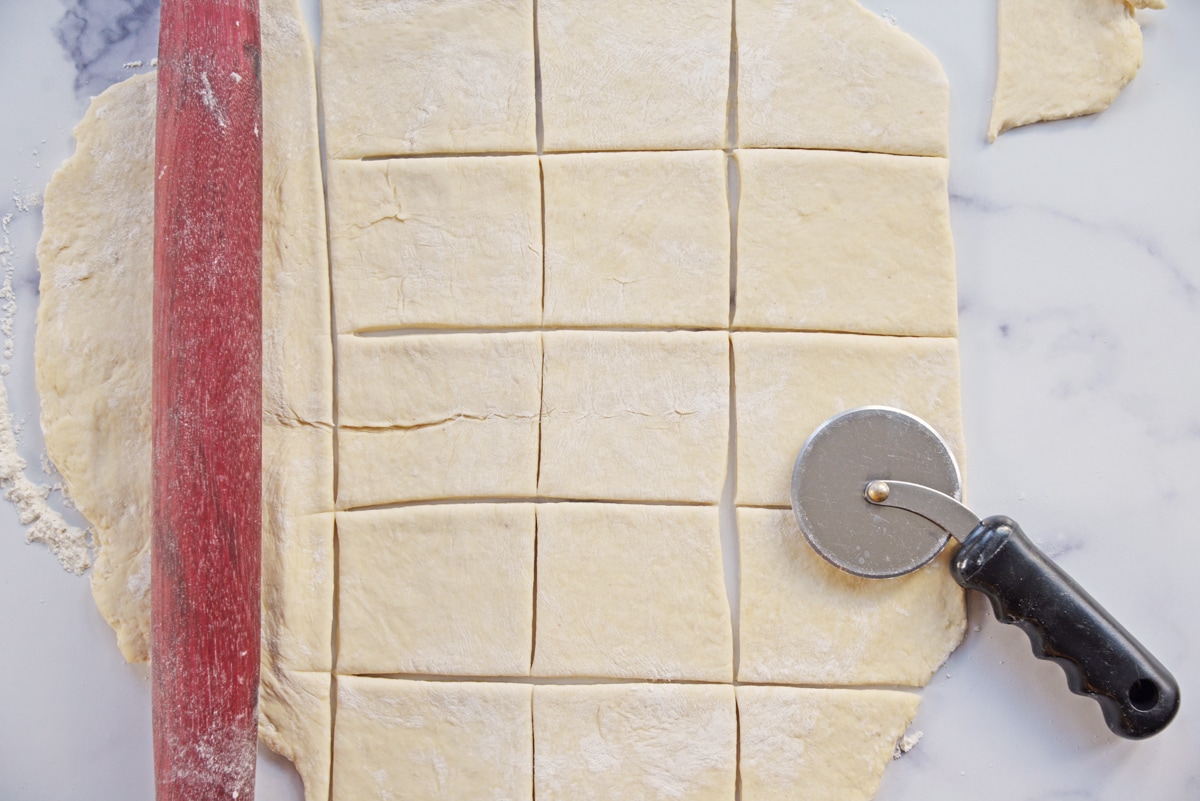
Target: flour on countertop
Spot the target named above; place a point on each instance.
(907, 743)
(67, 542)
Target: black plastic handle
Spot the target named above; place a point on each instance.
(1138, 696)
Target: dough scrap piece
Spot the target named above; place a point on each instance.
(425, 417)
(436, 590)
(621, 75)
(637, 239)
(835, 744)
(427, 76)
(828, 74)
(399, 739)
(635, 742)
(454, 242)
(635, 416)
(628, 591)
(294, 720)
(803, 621)
(1063, 59)
(93, 370)
(835, 241)
(298, 591)
(790, 383)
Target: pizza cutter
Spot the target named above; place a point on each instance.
(876, 492)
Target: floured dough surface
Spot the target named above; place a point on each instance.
(630, 75)
(835, 744)
(858, 242)
(635, 416)
(628, 591)
(803, 621)
(474, 401)
(420, 740)
(1063, 59)
(830, 75)
(635, 742)
(637, 239)
(436, 243)
(443, 589)
(425, 417)
(427, 76)
(790, 383)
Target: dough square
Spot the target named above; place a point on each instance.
(635, 742)
(635, 416)
(787, 384)
(622, 75)
(418, 740)
(803, 621)
(835, 744)
(453, 242)
(443, 589)
(629, 591)
(637, 239)
(833, 241)
(433, 416)
(427, 76)
(834, 76)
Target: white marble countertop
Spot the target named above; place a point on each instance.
(1079, 284)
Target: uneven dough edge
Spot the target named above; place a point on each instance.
(93, 372)
(1065, 59)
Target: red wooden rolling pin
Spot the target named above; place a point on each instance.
(207, 536)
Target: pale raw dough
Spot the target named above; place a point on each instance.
(399, 740)
(444, 589)
(831, 241)
(453, 242)
(635, 416)
(93, 369)
(633, 75)
(627, 591)
(427, 76)
(635, 742)
(295, 717)
(93, 374)
(803, 621)
(637, 239)
(819, 745)
(1064, 58)
(790, 383)
(829, 74)
(425, 417)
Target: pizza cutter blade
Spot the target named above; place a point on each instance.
(876, 492)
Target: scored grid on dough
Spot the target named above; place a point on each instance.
(635, 329)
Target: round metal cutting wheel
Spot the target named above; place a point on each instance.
(831, 475)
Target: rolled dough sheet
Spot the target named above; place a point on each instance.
(635, 416)
(626, 591)
(803, 621)
(787, 384)
(631, 75)
(436, 243)
(637, 239)
(427, 76)
(635, 742)
(830, 75)
(855, 242)
(835, 744)
(444, 589)
(412, 740)
(638, 416)
(426, 417)
(1065, 58)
